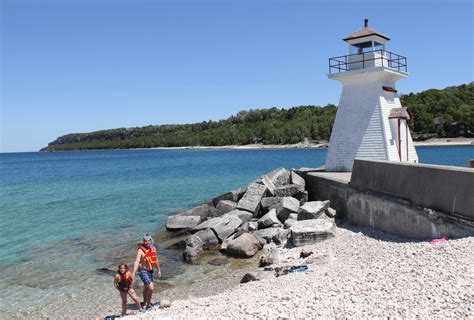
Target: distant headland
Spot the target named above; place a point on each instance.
(445, 113)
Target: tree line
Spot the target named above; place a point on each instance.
(435, 112)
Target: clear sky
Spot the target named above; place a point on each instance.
(81, 65)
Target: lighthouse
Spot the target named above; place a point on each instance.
(370, 120)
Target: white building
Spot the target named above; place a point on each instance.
(370, 121)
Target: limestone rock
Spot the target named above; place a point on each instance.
(312, 209)
(193, 249)
(268, 202)
(225, 206)
(234, 196)
(279, 177)
(250, 226)
(251, 199)
(268, 220)
(222, 226)
(268, 233)
(204, 211)
(244, 216)
(182, 222)
(288, 223)
(244, 246)
(208, 238)
(285, 207)
(226, 242)
(330, 212)
(260, 239)
(288, 190)
(302, 197)
(297, 179)
(269, 184)
(312, 231)
(281, 237)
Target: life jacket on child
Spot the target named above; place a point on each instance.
(150, 256)
(125, 281)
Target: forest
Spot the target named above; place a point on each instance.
(436, 113)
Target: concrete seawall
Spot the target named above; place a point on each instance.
(411, 200)
(444, 188)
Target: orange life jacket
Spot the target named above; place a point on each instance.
(125, 278)
(150, 256)
(124, 281)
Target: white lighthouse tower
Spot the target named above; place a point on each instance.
(370, 121)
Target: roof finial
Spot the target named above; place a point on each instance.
(366, 23)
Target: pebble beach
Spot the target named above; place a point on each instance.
(360, 273)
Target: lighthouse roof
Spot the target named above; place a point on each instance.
(401, 113)
(365, 32)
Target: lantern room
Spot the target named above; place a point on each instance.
(367, 50)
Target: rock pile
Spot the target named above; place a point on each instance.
(273, 209)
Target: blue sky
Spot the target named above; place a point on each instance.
(79, 66)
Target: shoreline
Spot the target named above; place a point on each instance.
(362, 272)
(433, 142)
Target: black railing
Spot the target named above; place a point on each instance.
(368, 59)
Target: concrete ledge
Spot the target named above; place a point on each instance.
(444, 188)
(394, 215)
(329, 186)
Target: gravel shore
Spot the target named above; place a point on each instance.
(358, 274)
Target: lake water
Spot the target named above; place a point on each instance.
(64, 215)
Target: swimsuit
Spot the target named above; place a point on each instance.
(146, 275)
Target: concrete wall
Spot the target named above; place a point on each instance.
(447, 189)
(397, 216)
(324, 187)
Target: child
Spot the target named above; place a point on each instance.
(123, 283)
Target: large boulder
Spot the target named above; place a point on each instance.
(330, 212)
(279, 177)
(269, 234)
(302, 197)
(269, 202)
(292, 218)
(268, 220)
(193, 249)
(269, 184)
(312, 231)
(204, 212)
(297, 179)
(244, 216)
(251, 200)
(288, 190)
(281, 237)
(313, 209)
(234, 196)
(222, 226)
(226, 242)
(244, 246)
(285, 207)
(250, 226)
(225, 206)
(288, 223)
(208, 238)
(174, 223)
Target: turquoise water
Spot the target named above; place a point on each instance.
(63, 215)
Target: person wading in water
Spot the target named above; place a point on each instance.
(145, 261)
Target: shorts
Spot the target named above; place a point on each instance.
(146, 276)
